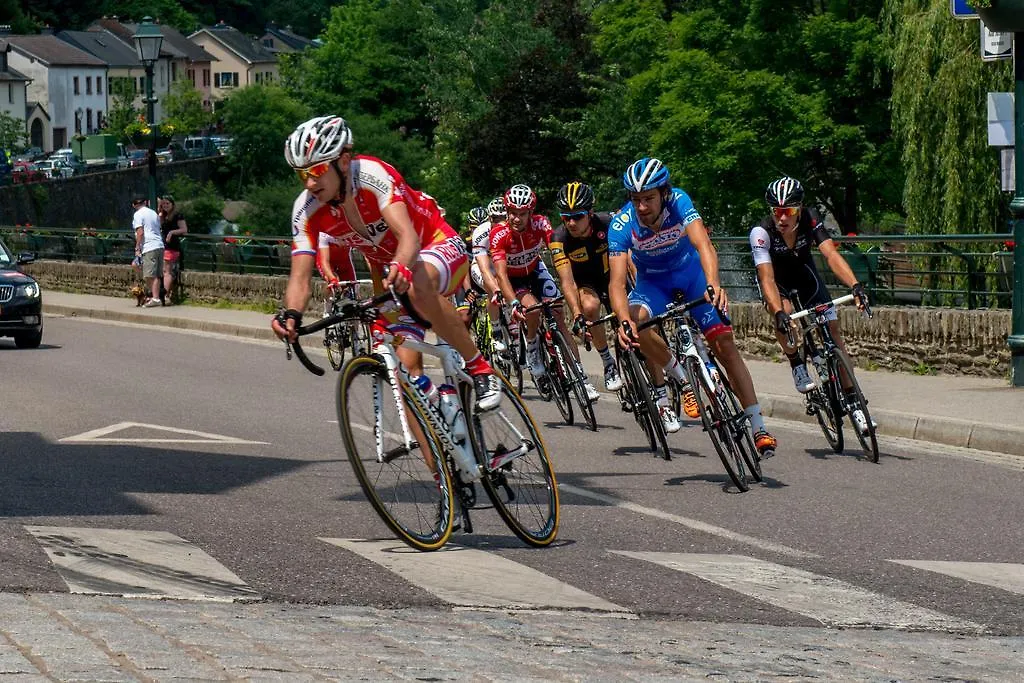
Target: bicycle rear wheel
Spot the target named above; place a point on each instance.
(408, 486)
(714, 418)
(556, 381)
(645, 410)
(576, 379)
(855, 400)
(517, 471)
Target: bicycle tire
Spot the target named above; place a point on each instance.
(855, 400)
(575, 379)
(824, 401)
(742, 431)
(524, 490)
(335, 347)
(713, 419)
(421, 512)
(555, 380)
(657, 438)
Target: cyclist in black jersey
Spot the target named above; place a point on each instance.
(579, 252)
(782, 246)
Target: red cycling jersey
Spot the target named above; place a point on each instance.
(376, 185)
(520, 250)
(340, 259)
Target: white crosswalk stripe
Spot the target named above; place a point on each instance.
(827, 600)
(1004, 575)
(467, 577)
(132, 563)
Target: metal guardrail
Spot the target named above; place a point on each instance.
(964, 271)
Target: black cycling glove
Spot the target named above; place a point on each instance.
(783, 323)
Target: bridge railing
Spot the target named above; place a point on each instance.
(962, 271)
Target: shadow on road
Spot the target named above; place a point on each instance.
(41, 478)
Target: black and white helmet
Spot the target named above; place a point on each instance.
(520, 197)
(496, 209)
(785, 192)
(323, 138)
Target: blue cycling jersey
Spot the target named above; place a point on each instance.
(656, 251)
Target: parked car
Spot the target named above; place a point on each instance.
(27, 172)
(30, 154)
(137, 157)
(55, 168)
(21, 301)
(223, 144)
(172, 152)
(197, 147)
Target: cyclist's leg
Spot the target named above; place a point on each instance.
(591, 299)
(436, 274)
(647, 300)
(526, 296)
(811, 291)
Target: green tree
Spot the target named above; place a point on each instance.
(259, 118)
(12, 13)
(183, 108)
(12, 132)
(939, 115)
(123, 111)
(168, 12)
(200, 203)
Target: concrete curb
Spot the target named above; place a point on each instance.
(940, 430)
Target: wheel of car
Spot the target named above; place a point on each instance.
(28, 340)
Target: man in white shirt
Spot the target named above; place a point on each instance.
(149, 244)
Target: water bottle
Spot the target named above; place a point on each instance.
(426, 386)
(451, 409)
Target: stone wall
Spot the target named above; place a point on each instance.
(95, 199)
(897, 338)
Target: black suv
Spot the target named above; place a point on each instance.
(21, 301)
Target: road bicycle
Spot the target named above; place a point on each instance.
(722, 417)
(566, 378)
(418, 462)
(637, 393)
(828, 401)
(509, 361)
(347, 336)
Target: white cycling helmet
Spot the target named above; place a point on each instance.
(321, 139)
(520, 197)
(496, 208)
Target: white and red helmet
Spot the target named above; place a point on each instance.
(321, 139)
(520, 197)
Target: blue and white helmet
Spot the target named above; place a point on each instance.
(645, 174)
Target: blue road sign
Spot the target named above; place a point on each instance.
(962, 10)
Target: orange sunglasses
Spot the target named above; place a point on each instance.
(314, 171)
(783, 211)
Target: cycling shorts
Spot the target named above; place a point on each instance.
(538, 282)
(654, 292)
(448, 257)
(810, 289)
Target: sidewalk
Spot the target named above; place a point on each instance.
(972, 412)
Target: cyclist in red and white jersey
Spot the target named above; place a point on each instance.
(336, 264)
(365, 204)
(522, 278)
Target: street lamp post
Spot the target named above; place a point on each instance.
(1016, 338)
(148, 39)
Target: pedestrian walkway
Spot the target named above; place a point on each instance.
(971, 412)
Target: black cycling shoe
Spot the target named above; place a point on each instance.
(488, 391)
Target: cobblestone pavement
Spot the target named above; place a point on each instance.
(78, 638)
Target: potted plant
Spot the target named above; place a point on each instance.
(1001, 15)
(139, 133)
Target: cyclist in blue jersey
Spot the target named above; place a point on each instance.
(672, 251)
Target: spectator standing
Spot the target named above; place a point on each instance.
(149, 244)
(172, 228)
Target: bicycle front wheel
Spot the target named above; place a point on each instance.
(577, 380)
(408, 486)
(335, 344)
(556, 380)
(823, 401)
(714, 418)
(645, 410)
(855, 400)
(517, 471)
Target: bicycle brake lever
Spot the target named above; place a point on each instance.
(287, 349)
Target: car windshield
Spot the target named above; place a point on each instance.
(6, 259)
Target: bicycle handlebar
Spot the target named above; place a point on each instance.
(548, 303)
(821, 308)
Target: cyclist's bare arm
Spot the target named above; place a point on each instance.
(483, 262)
(837, 263)
(769, 290)
(323, 258)
(698, 235)
(400, 223)
(296, 294)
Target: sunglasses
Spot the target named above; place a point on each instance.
(783, 211)
(313, 172)
(573, 216)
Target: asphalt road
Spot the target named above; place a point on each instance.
(258, 478)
